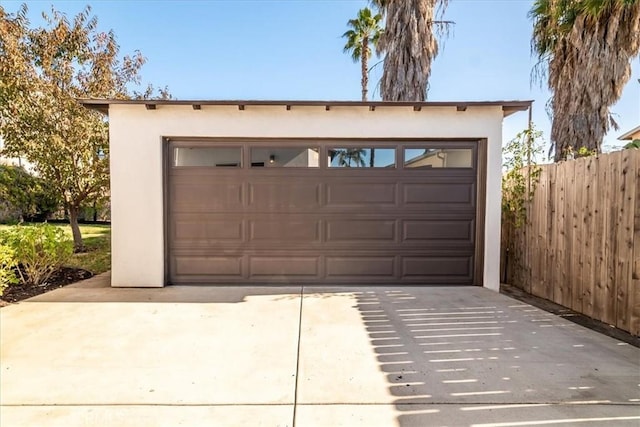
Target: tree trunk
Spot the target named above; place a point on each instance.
(410, 46)
(75, 229)
(365, 71)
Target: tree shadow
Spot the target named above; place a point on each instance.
(471, 356)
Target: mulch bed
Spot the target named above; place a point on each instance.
(64, 276)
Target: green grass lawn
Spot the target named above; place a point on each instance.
(97, 239)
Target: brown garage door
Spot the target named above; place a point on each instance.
(322, 212)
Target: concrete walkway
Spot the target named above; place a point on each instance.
(90, 355)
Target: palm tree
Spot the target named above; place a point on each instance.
(350, 157)
(410, 45)
(365, 31)
(584, 50)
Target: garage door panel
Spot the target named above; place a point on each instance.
(363, 194)
(441, 266)
(207, 196)
(360, 266)
(188, 232)
(288, 195)
(419, 231)
(260, 266)
(189, 265)
(364, 230)
(438, 194)
(273, 232)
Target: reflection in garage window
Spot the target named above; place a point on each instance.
(357, 157)
(438, 158)
(296, 157)
(207, 156)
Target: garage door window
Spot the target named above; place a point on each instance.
(359, 157)
(299, 157)
(207, 156)
(438, 158)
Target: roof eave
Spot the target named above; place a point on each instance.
(627, 136)
(508, 107)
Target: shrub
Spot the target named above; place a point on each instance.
(39, 250)
(521, 175)
(7, 264)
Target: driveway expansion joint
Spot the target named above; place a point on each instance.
(295, 392)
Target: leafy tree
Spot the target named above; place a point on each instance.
(365, 31)
(584, 50)
(30, 196)
(411, 45)
(42, 73)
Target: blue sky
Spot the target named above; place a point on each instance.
(292, 49)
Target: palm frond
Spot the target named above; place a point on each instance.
(365, 31)
(584, 51)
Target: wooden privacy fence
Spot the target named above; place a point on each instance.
(580, 245)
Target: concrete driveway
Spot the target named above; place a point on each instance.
(90, 355)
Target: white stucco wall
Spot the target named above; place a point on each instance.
(136, 163)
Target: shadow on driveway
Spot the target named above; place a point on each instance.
(472, 357)
(367, 356)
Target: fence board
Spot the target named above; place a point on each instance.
(538, 273)
(551, 220)
(625, 242)
(560, 290)
(578, 237)
(541, 211)
(571, 230)
(580, 246)
(601, 235)
(634, 299)
(610, 234)
(591, 254)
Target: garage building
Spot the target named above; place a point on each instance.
(305, 192)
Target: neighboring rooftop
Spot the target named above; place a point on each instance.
(632, 134)
(508, 107)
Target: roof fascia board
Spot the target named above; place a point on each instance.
(508, 107)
